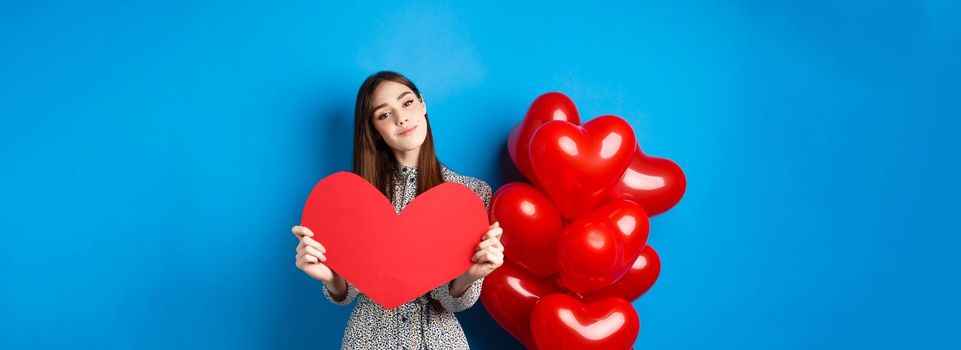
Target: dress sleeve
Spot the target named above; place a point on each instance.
(484, 191)
(464, 302)
(351, 294)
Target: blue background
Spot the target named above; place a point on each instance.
(155, 155)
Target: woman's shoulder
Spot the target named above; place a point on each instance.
(482, 188)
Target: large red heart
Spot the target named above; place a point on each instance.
(597, 249)
(546, 107)
(509, 295)
(394, 258)
(657, 184)
(637, 281)
(559, 321)
(531, 227)
(579, 165)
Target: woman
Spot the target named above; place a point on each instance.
(394, 151)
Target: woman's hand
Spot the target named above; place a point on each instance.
(489, 255)
(310, 256)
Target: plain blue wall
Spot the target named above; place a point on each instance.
(156, 154)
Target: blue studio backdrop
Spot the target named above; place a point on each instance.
(155, 155)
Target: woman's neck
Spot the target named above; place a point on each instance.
(407, 158)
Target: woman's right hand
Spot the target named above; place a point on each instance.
(310, 256)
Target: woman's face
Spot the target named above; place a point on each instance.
(399, 116)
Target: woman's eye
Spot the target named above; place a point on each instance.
(382, 116)
(408, 103)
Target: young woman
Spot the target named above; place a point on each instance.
(394, 151)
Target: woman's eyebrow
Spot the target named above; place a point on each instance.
(398, 97)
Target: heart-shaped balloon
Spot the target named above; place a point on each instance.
(434, 236)
(577, 166)
(559, 321)
(657, 184)
(597, 249)
(637, 281)
(509, 294)
(531, 227)
(546, 107)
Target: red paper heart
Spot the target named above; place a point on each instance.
(637, 281)
(531, 227)
(657, 184)
(394, 258)
(597, 249)
(577, 166)
(509, 295)
(559, 321)
(547, 107)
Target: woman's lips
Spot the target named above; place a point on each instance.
(407, 132)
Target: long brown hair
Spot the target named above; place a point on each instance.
(373, 158)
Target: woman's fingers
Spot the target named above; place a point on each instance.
(490, 242)
(484, 244)
(305, 260)
(300, 231)
(302, 262)
(494, 232)
(485, 254)
(492, 259)
(316, 253)
(311, 242)
(310, 251)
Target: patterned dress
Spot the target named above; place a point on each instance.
(414, 325)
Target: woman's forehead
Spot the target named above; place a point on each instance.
(389, 91)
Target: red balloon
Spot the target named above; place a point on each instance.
(657, 184)
(509, 294)
(546, 107)
(559, 321)
(596, 250)
(531, 227)
(577, 166)
(637, 281)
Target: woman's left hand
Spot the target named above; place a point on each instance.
(489, 253)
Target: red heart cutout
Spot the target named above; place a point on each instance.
(531, 227)
(394, 258)
(559, 321)
(596, 250)
(637, 281)
(546, 107)
(509, 294)
(577, 166)
(657, 184)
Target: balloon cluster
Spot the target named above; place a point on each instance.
(575, 238)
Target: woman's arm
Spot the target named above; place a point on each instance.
(459, 285)
(337, 287)
(467, 298)
(339, 291)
